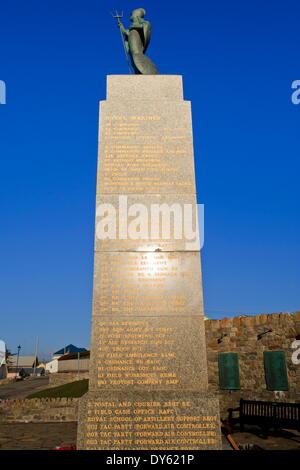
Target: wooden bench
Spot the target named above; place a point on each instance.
(267, 415)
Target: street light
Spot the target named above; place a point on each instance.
(19, 347)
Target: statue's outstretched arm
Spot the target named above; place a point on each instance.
(122, 29)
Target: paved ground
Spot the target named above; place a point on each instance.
(22, 388)
(37, 436)
(45, 436)
(285, 440)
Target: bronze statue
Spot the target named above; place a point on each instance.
(136, 40)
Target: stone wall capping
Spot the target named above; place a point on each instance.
(297, 315)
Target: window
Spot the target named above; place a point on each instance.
(229, 374)
(275, 370)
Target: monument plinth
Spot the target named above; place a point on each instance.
(148, 371)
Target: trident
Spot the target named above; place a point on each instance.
(125, 50)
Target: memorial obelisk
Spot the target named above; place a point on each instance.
(148, 371)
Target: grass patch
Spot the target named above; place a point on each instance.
(70, 390)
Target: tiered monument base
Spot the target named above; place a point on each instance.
(148, 370)
(149, 421)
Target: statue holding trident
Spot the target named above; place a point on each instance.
(136, 40)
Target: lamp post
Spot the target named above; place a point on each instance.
(78, 364)
(19, 347)
(36, 353)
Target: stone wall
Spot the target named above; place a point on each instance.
(240, 335)
(39, 410)
(61, 378)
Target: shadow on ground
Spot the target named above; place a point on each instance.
(253, 437)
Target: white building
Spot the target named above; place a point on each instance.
(52, 366)
(72, 362)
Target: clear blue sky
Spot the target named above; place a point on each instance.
(238, 60)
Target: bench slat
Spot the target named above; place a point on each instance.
(270, 413)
